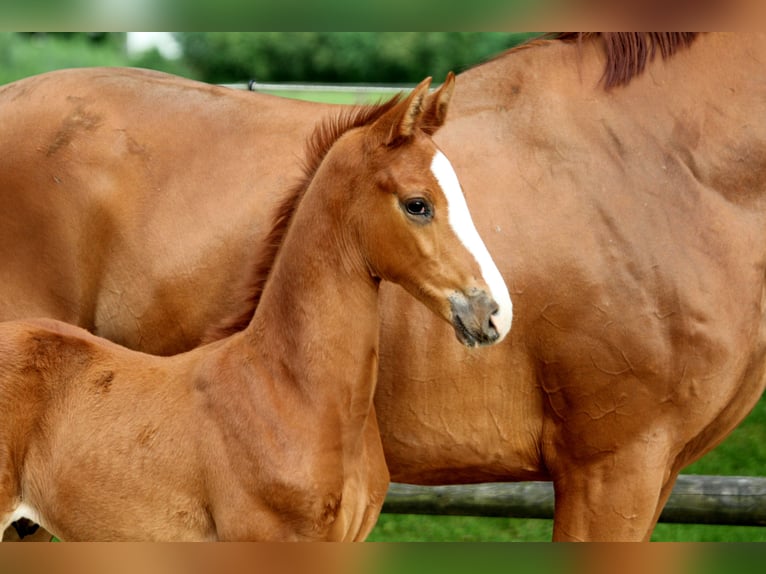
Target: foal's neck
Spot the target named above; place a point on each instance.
(316, 326)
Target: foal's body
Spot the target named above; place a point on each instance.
(269, 434)
(289, 461)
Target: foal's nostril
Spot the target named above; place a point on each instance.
(492, 332)
(494, 309)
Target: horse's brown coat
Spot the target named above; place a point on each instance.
(629, 224)
(269, 434)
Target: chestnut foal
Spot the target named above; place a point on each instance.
(269, 434)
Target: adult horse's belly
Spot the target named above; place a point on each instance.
(449, 414)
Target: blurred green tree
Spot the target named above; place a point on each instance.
(358, 57)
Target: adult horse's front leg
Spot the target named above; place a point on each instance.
(611, 496)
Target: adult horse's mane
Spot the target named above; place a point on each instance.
(627, 53)
(325, 134)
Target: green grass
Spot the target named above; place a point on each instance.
(20, 57)
(413, 528)
(23, 57)
(420, 528)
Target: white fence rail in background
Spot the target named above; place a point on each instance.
(254, 86)
(696, 499)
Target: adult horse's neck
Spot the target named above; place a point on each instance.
(549, 109)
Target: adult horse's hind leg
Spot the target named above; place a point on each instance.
(614, 496)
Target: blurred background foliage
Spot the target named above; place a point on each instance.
(27, 54)
(358, 57)
(230, 57)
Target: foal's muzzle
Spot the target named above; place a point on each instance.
(472, 318)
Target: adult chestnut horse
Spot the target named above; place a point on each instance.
(269, 434)
(622, 196)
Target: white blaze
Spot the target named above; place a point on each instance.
(461, 222)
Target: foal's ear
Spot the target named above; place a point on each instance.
(401, 121)
(436, 105)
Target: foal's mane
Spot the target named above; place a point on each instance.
(325, 134)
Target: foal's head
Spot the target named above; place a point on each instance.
(409, 218)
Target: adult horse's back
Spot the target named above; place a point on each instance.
(129, 198)
(629, 224)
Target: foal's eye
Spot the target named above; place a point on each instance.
(418, 206)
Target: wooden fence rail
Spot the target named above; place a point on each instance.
(696, 499)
